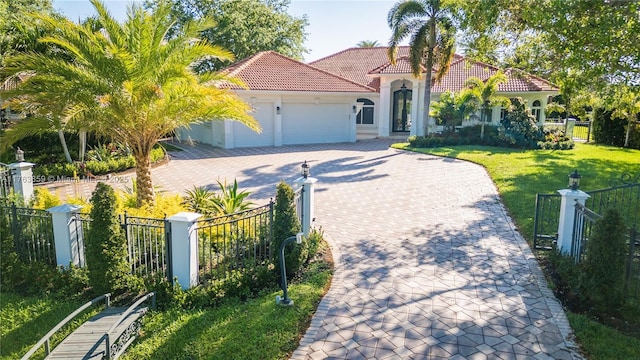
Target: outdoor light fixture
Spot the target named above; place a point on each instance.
(278, 110)
(316, 100)
(403, 88)
(574, 180)
(19, 155)
(305, 170)
(354, 109)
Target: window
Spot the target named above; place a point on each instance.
(535, 110)
(365, 115)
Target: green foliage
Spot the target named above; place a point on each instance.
(286, 224)
(467, 135)
(231, 201)
(555, 139)
(519, 127)
(200, 200)
(608, 130)
(43, 199)
(245, 27)
(105, 245)
(452, 109)
(601, 342)
(602, 278)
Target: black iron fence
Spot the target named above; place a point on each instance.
(32, 232)
(6, 180)
(623, 195)
(146, 244)
(234, 242)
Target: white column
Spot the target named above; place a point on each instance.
(416, 113)
(23, 179)
(184, 248)
(67, 235)
(385, 103)
(567, 217)
(353, 114)
(308, 202)
(228, 135)
(277, 122)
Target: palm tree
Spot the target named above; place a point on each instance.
(485, 95)
(130, 81)
(368, 43)
(432, 41)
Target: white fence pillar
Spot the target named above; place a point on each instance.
(23, 179)
(184, 248)
(67, 234)
(308, 203)
(567, 217)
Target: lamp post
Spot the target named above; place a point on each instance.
(283, 271)
(19, 155)
(574, 180)
(306, 170)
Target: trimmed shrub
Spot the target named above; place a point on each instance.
(106, 246)
(607, 130)
(602, 280)
(286, 224)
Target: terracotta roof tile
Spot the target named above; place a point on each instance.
(518, 81)
(269, 70)
(402, 66)
(356, 63)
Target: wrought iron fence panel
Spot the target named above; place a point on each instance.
(146, 244)
(545, 221)
(582, 224)
(625, 198)
(234, 242)
(6, 180)
(632, 275)
(582, 131)
(32, 231)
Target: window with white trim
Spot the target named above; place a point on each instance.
(536, 109)
(365, 115)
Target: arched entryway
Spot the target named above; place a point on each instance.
(401, 120)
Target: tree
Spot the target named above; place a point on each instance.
(453, 108)
(368, 43)
(430, 27)
(245, 27)
(129, 81)
(485, 96)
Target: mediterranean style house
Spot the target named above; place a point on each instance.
(354, 94)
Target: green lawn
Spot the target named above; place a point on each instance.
(255, 329)
(25, 320)
(520, 174)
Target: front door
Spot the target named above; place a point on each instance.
(402, 110)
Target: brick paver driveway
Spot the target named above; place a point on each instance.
(428, 263)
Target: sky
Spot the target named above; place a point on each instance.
(334, 25)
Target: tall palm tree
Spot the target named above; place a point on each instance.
(485, 95)
(429, 25)
(368, 43)
(130, 81)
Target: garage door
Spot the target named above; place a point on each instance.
(245, 137)
(315, 123)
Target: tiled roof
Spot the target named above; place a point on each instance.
(356, 63)
(402, 66)
(269, 70)
(518, 81)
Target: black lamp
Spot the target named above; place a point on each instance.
(574, 180)
(305, 170)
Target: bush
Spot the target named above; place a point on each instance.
(606, 130)
(555, 139)
(519, 127)
(286, 224)
(105, 245)
(602, 280)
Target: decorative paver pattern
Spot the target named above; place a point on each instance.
(428, 263)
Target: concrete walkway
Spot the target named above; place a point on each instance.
(428, 263)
